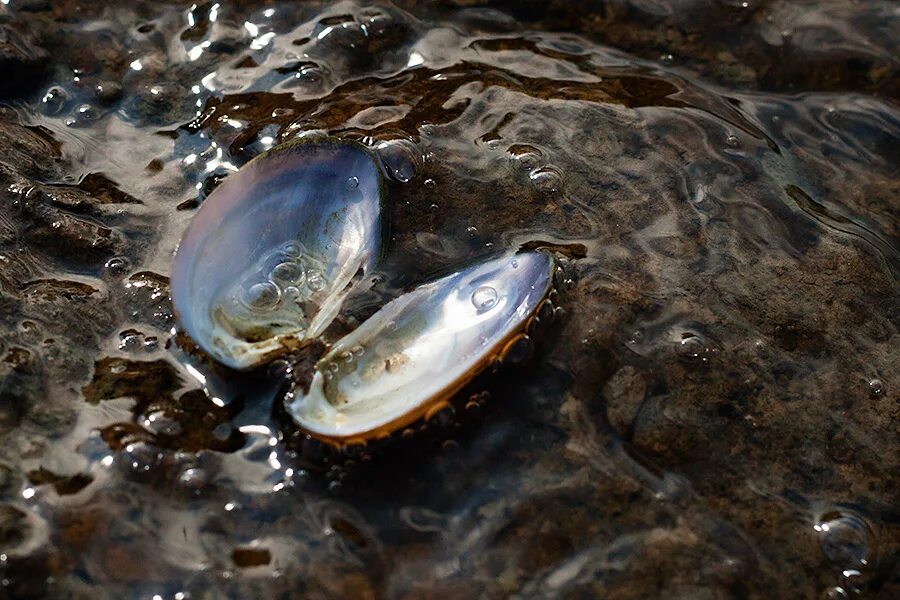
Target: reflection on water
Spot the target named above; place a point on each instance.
(714, 415)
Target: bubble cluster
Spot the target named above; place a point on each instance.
(286, 275)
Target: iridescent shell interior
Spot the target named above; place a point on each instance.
(421, 348)
(271, 254)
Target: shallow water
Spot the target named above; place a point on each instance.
(715, 415)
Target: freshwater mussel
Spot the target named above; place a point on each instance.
(274, 251)
(412, 356)
(269, 257)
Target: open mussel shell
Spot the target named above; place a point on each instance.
(271, 253)
(420, 349)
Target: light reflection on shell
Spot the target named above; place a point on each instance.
(268, 258)
(422, 348)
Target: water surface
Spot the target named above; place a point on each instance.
(715, 415)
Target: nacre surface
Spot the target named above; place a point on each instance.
(271, 254)
(421, 348)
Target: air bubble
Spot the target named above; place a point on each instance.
(140, 458)
(292, 249)
(518, 351)
(315, 281)
(845, 538)
(287, 274)
(262, 296)
(107, 92)
(875, 387)
(693, 348)
(130, 340)
(733, 141)
(352, 183)
(853, 581)
(118, 265)
(546, 179)
(525, 155)
(193, 480)
(484, 298)
(53, 101)
(86, 112)
(401, 159)
(160, 423)
(309, 74)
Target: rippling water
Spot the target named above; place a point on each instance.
(715, 415)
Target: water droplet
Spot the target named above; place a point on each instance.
(429, 183)
(472, 231)
(733, 141)
(262, 296)
(484, 298)
(287, 274)
(352, 183)
(315, 281)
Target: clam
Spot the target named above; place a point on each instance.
(271, 254)
(420, 349)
